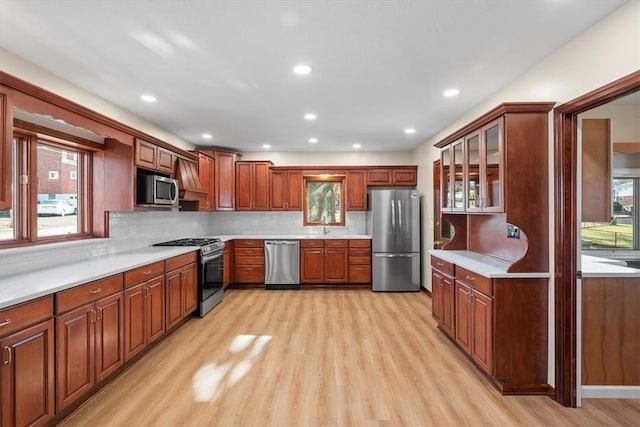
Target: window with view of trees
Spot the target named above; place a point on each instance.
(324, 199)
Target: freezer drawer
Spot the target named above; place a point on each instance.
(395, 272)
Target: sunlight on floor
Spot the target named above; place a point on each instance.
(213, 378)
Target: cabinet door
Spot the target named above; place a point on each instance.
(379, 177)
(311, 265)
(225, 180)
(336, 265)
(173, 299)
(228, 266)
(446, 200)
(134, 320)
(260, 178)
(356, 190)
(155, 309)
(75, 337)
(408, 177)
(458, 176)
(145, 154)
(27, 376)
(482, 336)
(189, 276)
(493, 169)
(278, 190)
(472, 172)
(448, 307)
(436, 295)
(463, 316)
(294, 190)
(206, 173)
(6, 133)
(244, 200)
(109, 335)
(165, 161)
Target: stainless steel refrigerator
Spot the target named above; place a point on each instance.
(393, 221)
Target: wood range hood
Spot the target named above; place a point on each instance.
(190, 188)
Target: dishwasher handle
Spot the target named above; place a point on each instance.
(280, 242)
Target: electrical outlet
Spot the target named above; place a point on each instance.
(513, 232)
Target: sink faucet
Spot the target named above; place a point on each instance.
(324, 225)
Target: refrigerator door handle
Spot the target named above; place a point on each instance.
(399, 213)
(393, 214)
(386, 255)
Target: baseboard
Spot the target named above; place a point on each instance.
(610, 392)
(425, 290)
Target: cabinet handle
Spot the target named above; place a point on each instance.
(439, 264)
(146, 273)
(100, 313)
(470, 278)
(95, 291)
(93, 316)
(8, 350)
(5, 323)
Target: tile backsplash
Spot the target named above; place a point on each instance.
(132, 230)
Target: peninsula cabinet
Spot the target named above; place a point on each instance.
(252, 186)
(285, 190)
(181, 287)
(89, 337)
(357, 190)
(324, 261)
(27, 364)
(393, 176)
(153, 157)
(6, 132)
(144, 307)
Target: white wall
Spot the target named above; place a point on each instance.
(347, 158)
(605, 52)
(25, 70)
(625, 120)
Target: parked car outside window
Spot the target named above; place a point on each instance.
(55, 207)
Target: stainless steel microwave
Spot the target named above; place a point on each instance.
(157, 190)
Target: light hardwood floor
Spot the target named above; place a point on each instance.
(321, 358)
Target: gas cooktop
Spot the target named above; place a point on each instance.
(194, 241)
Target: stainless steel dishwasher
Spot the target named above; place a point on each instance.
(282, 264)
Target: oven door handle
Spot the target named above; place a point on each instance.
(211, 256)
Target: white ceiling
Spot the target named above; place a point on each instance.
(225, 67)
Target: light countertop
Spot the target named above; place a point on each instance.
(484, 265)
(592, 266)
(34, 284)
(294, 236)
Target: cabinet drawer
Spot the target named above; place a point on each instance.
(442, 265)
(249, 260)
(180, 260)
(475, 280)
(334, 243)
(249, 251)
(360, 252)
(80, 295)
(22, 315)
(309, 243)
(249, 243)
(360, 243)
(144, 273)
(359, 274)
(360, 260)
(246, 274)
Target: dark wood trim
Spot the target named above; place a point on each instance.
(565, 222)
(57, 100)
(339, 169)
(507, 107)
(342, 179)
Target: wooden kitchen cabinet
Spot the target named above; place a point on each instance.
(228, 264)
(225, 180)
(285, 190)
(473, 325)
(357, 190)
(206, 171)
(6, 144)
(324, 261)
(442, 295)
(144, 308)
(393, 176)
(181, 288)
(89, 337)
(252, 186)
(27, 394)
(360, 261)
(153, 157)
(249, 261)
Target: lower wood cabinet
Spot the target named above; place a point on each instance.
(27, 376)
(228, 264)
(473, 325)
(360, 261)
(181, 288)
(144, 315)
(249, 261)
(324, 261)
(442, 300)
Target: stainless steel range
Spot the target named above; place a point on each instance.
(210, 271)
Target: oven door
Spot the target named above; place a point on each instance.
(211, 274)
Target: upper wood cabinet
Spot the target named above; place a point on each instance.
(153, 157)
(206, 171)
(286, 190)
(6, 143)
(252, 186)
(225, 181)
(395, 176)
(357, 190)
(596, 170)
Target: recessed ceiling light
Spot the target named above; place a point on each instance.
(313, 140)
(310, 116)
(409, 131)
(451, 92)
(302, 69)
(266, 146)
(207, 136)
(356, 146)
(148, 98)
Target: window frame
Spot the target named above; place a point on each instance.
(306, 179)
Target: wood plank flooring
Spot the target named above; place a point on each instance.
(321, 358)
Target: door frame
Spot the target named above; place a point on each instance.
(566, 226)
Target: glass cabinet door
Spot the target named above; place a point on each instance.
(493, 171)
(445, 179)
(458, 179)
(472, 178)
